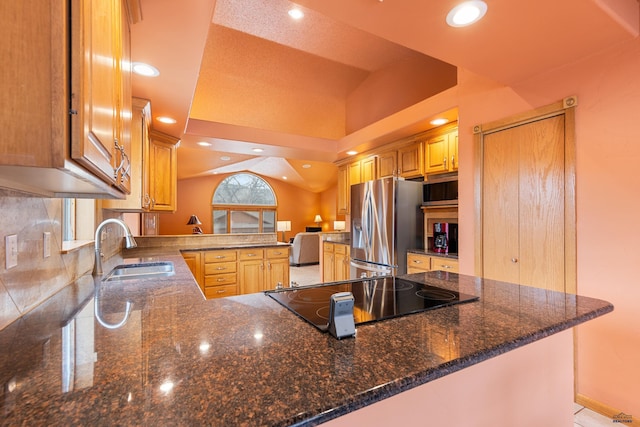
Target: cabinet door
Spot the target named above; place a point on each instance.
(162, 172)
(410, 160)
(277, 272)
(251, 276)
(123, 163)
(193, 260)
(138, 199)
(523, 204)
(328, 265)
(355, 173)
(95, 84)
(368, 169)
(437, 152)
(417, 263)
(341, 262)
(343, 190)
(444, 264)
(453, 151)
(387, 164)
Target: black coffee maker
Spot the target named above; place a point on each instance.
(445, 237)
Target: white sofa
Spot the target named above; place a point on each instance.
(305, 249)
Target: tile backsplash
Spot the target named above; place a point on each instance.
(36, 278)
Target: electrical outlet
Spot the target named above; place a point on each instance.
(11, 250)
(47, 244)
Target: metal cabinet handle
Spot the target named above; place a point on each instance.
(146, 201)
(445, 266)
(121, 165)
(221, 268)
(221, 291)
(251, 254)
(220, 256)
(453, 161)
(514, 260)
(220, 280)
(444, 161)
(417, 261)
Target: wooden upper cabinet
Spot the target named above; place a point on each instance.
(441, 153)
(387, 164)
(355, 173)
(162, 173)
(47, 81)
(98, 88)
(410, 160)
(368, 169)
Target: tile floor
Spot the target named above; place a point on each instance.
(587, 418)
(310, 275)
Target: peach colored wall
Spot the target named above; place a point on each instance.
(496, 392)
(608, 201)
(396, 87)
(195, 194)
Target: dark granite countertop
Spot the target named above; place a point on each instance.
(178, 359)
(432, 253)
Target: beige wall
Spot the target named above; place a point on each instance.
(195, 195)
(608, 200)
(36, 278)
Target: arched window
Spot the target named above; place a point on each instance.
(244, 203)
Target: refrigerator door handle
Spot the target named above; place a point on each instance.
(384, 269)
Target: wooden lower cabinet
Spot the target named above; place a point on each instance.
(418, 263)
(335, 262)
(228, 272)
(220, 273)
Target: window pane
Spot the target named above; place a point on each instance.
(244, 189)
(220, 222)
(245, 221)
(68, 219)
(268, 221)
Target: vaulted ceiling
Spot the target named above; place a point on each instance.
(241, 75)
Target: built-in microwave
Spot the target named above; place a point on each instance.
(440, 190)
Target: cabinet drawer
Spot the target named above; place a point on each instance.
(220, 267)
(278, 253)
(249, 254)
(444, 264)
(221, 291)
(418, 262)
(340, 249)
(327, 247)
(220, 279)
(219, 256)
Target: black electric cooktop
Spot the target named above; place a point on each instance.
(375, 299)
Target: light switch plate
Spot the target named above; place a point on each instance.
(47, 244)
(11, 250)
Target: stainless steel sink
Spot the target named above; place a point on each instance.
(140, 271)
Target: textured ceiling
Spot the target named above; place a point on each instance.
(240, 74)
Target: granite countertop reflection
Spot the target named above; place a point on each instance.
(155, 352)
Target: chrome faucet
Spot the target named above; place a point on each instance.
(130, 242)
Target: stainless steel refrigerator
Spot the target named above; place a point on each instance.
(386, 221)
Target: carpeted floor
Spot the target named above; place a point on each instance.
(305, 275)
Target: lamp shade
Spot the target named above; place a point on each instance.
(339, 225)
(283, 226)
(193, 220)
(318, 218)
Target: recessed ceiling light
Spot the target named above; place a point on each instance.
(143, 69)
(284, 177)
(167, 120)
(225, 158)
(258, 150)
(306, 166)
(466, 13)
(296, 13)
(204, 144)
(438, 122)
(352, 153)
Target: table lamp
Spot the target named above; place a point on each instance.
(193, 220)
(283, 226)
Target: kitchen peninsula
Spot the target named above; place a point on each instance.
(156, 352)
